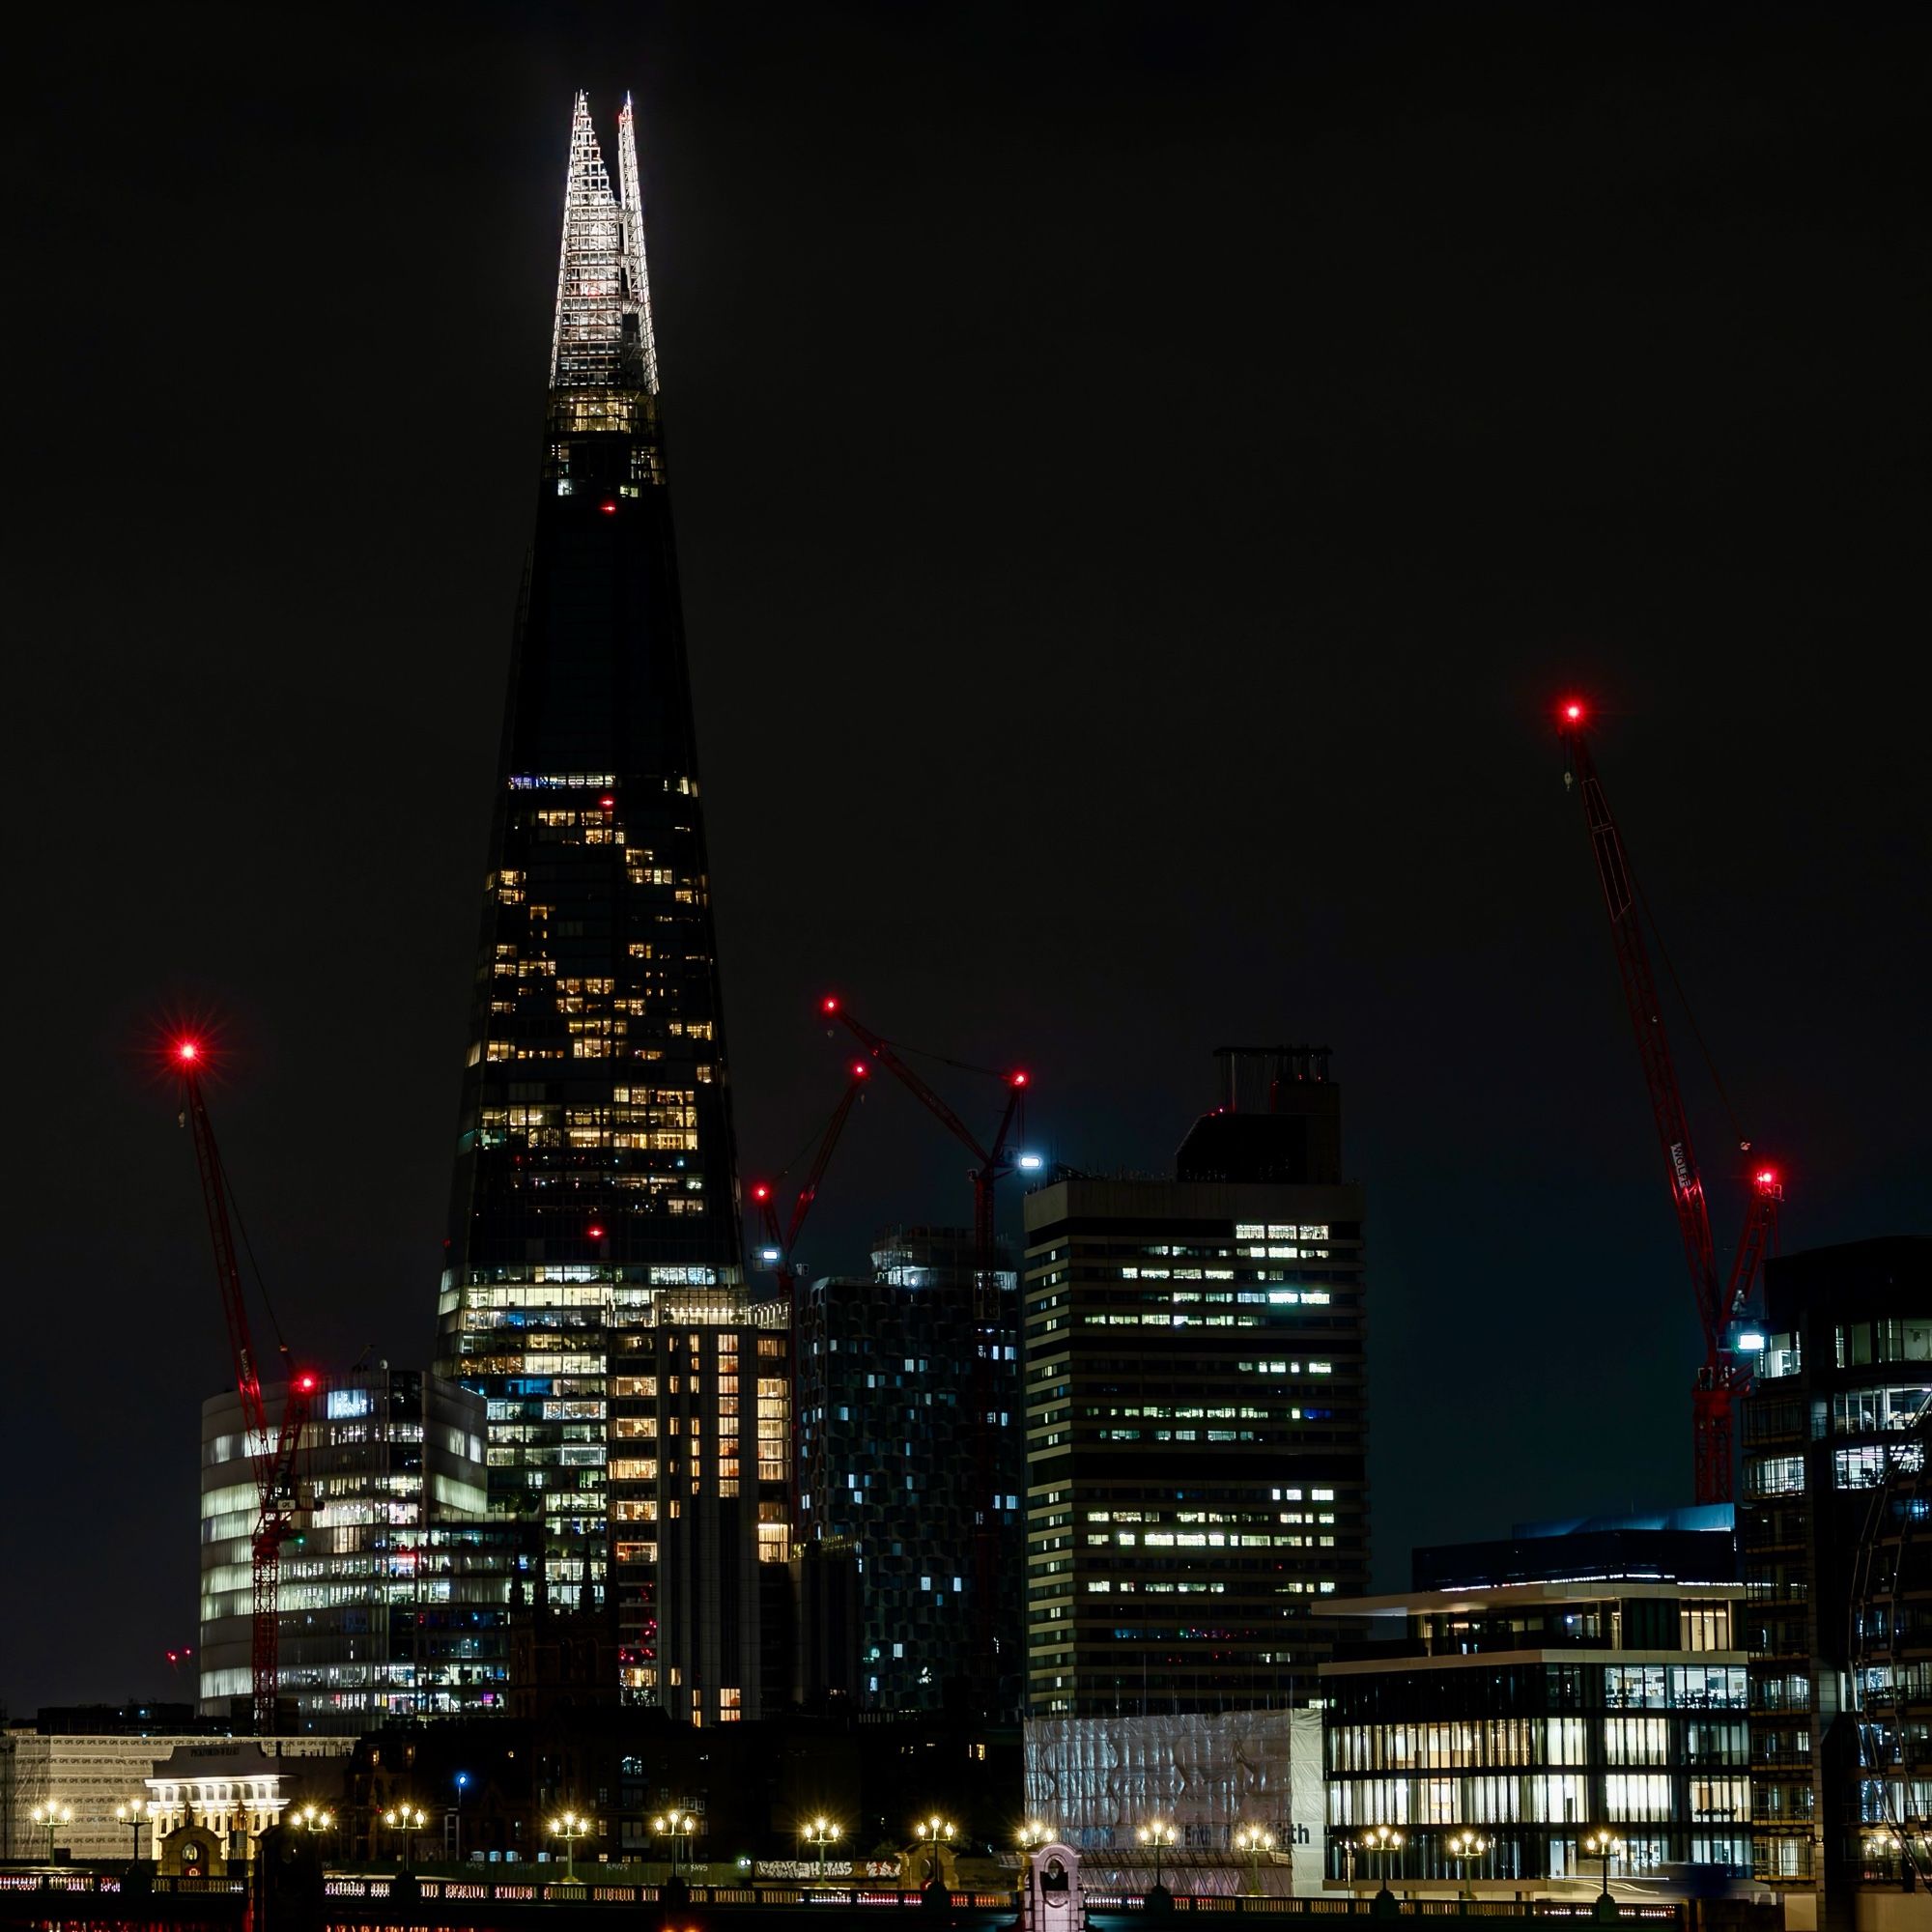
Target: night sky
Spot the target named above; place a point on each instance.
(1143, 476)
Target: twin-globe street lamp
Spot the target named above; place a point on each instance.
(408, 1818)
(52, 1815)
(1160, 1834)
(821, 1831)
(935, 1832)
(1465, 1847)
(1603, 1844)
(131, 1814)
(569, 1827)
(676, 1824)
(1253, 1840)
(1381, 1841)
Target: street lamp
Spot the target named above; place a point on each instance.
(1606, 1845)
(569, 1827)
(52, 1815)
(462, 1785)
(674, 1825)
(935, 1832)
(312, 1818)
(1465, 1847)
(821, 1831)
(1381, 1841)
(406, 1819)
(1158, 1834)
(131, 1814)
(1253, 1840)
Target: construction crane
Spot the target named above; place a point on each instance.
(1723, 1375)
(779, 1242)
(992, 1163)
(274, 1460)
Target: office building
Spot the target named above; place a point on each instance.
(395, 1591)
(1837, 1569)
(594, 1288)
(1195, 1404)
(889, 1462)
(1541, 1704)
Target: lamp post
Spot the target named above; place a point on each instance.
(1253, 1840)
(821, 1831)
(52, 1815)
(1381, 1841)
(674, 1825)
(570, 1826)
(407, 1819)
(462, 1785)
(1465, 1847)
(312, 1818)
(131, 1814)
(1158, 1834)
(935, 1832)
(1606, 1845)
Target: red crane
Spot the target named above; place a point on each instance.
(1722, 1377)
(274, 1461)
(991, 1166)
(779, 1242)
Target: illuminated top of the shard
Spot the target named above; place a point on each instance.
(603, 337)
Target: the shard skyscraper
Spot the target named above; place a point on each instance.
(594, 1289)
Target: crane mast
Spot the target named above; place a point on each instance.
(274, 1459)
(1722, 1376)
(781, 1241)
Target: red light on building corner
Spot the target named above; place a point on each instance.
(596, 1231)
(610, 509)
(606, 803)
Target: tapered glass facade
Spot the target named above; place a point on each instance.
(594, 1265)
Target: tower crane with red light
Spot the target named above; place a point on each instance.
(273, 1457)
(781, 1241)
(992, 1161)
(1723, 1375)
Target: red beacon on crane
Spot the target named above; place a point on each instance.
(760, 1191)
(828, 1005)
(1570, 710)
(187, 1051)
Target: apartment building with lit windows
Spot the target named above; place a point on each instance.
(888, 1465)
(1195, 1376)
(593, 1290)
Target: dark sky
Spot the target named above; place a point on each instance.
(1141, 474)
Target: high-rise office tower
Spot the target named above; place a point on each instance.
(595, 1291)
(1196, 1420)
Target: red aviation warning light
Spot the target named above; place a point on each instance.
(760, 1191)
(187, 1051)
(306, 1383)
(1571, 711)
(596, 1231)
(1018, 1080)
(828, 1005)
(860, 1070)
